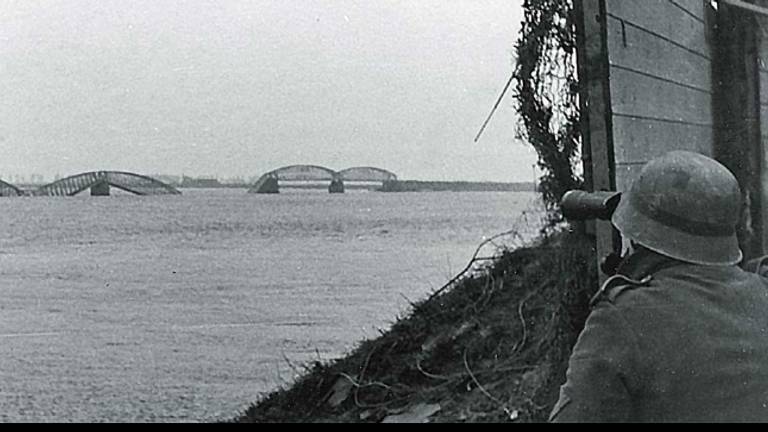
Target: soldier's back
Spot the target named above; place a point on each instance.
(702, 345)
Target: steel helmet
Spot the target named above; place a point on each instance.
(686, 206)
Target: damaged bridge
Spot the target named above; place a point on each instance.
(9, 190)
(100, 183)
(270, 182)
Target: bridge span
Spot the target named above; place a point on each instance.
(9, 190)
(270, 182)
(100, 182)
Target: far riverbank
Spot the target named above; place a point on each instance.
(391, 186)
(456, 186)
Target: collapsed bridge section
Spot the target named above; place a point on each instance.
(9, 190)
(100, 183)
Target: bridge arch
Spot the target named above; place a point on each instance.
(303, 172)
(269, 182)
(9, 190)
(367, 173)
(99, 183)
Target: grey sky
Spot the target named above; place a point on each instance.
(240, 87)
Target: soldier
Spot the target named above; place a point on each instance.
(681, 332)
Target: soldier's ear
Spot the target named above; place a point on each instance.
(628, 246)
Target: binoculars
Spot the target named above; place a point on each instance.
(580, 205)
(577, 205)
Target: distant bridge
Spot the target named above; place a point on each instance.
(9, 190)
(100, 182)
(269, 182)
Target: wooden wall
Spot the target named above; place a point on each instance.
(661, 75)
(646, 88)
(660, 63)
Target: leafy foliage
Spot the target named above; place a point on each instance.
(546, 93)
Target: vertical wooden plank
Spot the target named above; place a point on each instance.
(581, 68)
(736, 104)
(595, 91)
(762, 126)
(753, 163)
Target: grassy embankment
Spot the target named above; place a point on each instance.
(493, 347)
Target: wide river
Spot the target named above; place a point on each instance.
(189, 308)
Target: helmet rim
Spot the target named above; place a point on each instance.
(683, 205)
(674, 243)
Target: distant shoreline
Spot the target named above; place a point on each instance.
(399, 186)
(391, 186)
(456, 186)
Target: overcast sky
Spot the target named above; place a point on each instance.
(240, 87)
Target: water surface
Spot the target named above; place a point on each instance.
(188, 308)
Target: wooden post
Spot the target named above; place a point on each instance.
(597, 127)
(736, 108)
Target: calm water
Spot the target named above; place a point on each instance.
(189, 308)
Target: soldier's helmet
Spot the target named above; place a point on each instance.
(686, 206)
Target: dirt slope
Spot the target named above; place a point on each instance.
(493, 348)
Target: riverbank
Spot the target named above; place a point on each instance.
(389, 186)
(455, 186)
(491, 348)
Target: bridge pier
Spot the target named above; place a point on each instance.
(100, 189)
(391, 186)
(267, 185)
(337, 186)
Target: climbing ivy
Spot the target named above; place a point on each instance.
(546, 95)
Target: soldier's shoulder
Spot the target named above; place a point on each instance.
(617, 286)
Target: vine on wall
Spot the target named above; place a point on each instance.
(546, 94)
